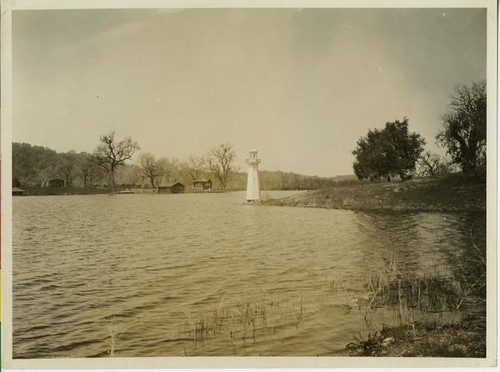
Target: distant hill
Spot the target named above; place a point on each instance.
(279, 180)
(347, 177)
(34, 165)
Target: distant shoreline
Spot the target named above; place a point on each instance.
(64, 191)
(450, 193)
(52, 191)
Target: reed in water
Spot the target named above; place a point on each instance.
(439, 315)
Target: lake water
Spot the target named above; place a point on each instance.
(204, 274)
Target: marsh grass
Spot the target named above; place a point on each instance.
(114, 331)
(332, 286)
(245, 323)
(437, 313)
(415, 292)
(429, 318)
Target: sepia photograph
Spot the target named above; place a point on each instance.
(214, 181)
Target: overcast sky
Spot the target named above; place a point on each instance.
(301, 86)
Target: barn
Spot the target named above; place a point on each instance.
(16, 191)
(205, 185)
(174, 188)
(55, 182)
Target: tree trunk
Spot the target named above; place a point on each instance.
(113, 178)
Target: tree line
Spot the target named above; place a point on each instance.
(394, 151)
(110, 166)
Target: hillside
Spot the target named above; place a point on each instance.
(444, 193)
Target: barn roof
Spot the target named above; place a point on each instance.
(171, 184)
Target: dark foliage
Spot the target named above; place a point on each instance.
(392, 151)
(373, 345)
(36, 165)
(464, 127)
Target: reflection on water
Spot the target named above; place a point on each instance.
(204, 274)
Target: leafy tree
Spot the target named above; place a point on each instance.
(464, 127)
(388, 152)
(32, 165)
(111, 153)
(370, 160)
(220, 162)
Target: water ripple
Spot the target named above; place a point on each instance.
(163, 274)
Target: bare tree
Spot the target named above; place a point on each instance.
(220, 162)
(429, 163)
(89, 171)
(130, 175)
(170, 168)
(152, 169)
(67, 166)
(464, 127)
(111, 153)
(195, 166)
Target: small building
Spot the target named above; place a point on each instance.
(16, 191)
(203, 185)
(174, 188)
(55, 182)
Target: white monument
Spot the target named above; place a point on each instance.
(253, 186)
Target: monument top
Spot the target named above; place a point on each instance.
(253, 157)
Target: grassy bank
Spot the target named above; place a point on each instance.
(423, 340)
(449, 193)
(450, 333)
(436, 313)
